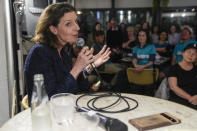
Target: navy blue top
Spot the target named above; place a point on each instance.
(45, 60)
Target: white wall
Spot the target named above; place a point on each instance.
(133, 3)
(4, 106)
(85, 4)
(178, 3)
(148, 3)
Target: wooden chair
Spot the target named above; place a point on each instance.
(25, 102)
(147, 77)
(142, 78)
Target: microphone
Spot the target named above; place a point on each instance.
(80, 43)
(95, 69)
(100, 80)
(108, 123)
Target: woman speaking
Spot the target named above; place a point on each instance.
(57, 27)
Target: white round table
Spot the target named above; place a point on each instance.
(147, 106)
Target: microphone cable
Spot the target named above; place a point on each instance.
(91, 104)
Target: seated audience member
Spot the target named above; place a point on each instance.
(146, 27)
(137, 28)
(108, 25)
(183, 78)
(99, 41)
(97, 27)
(144, 56)
(114, 40)
(57, 27)
(173, 37)
(186, 35)
(161, 46)
(130, 42)
(144, 53)
(114, 37)
(123, 31)
(155, 34)
(162, 50)
(108, 67)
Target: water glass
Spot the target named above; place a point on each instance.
(63, 107)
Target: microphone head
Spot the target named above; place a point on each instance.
(80, 42)
(115, 125)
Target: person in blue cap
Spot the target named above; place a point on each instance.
(186, 36)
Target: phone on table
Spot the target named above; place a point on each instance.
(154, 121)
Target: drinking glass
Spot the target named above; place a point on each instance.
(63, 107)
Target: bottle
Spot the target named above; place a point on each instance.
(39, 95)
(41, 120)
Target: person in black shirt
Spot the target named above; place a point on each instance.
(183, 78)
(114, 41)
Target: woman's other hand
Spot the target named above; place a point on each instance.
(102, 56)
(193, 100)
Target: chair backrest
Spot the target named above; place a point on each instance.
(25, 102)
(146, 77)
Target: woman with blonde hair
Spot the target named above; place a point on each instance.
(130, 42)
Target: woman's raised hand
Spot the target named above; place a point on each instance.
(102, 56)
(84, 58)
